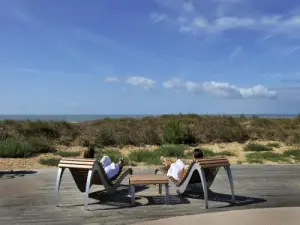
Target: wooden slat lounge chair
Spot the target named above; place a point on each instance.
(88, 172)
(202, 171)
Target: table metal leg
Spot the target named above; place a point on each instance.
(132, 194)
(167, 194)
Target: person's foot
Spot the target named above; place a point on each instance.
(121, 163)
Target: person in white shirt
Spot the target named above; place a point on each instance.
(111, 169)
(178, 169)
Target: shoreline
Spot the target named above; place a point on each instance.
(81, 118)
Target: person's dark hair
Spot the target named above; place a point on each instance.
(198, 154)
(90, 153)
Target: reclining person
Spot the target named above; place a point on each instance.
(111, 169)
(178, 169)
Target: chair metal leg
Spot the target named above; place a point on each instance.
(204, 187)
(229, 174)
(159, 189)
(58, 182)
(167, 194)
(87, 189)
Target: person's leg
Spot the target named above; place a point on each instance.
(165, 161)
(121, 163)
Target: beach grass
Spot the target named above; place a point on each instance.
(157, 130)
(114, 154)
(255, 147)
(273, 145)
(22, 148)
(67, 154)
(49, 161)
(260, 157)
(210, 153)
(170, 134)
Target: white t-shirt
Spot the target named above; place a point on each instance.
(111, 169)
(175, 168)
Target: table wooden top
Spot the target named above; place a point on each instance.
(149, 179)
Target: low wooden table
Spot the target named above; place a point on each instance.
(147, 179)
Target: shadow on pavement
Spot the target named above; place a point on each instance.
(16, 173)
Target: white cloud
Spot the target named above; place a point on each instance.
(258, 91)
(144, 82)
(176, 83)
(173, 83)
(219, 16)
(112, 79)
(223, 90)
(236, 51)
(193, 87)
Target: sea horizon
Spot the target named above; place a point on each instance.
(83, 118)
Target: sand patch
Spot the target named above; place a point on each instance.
(234, 147)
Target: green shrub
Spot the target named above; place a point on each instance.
(273, 145)
(38, 128)
(14, 148)
(106, 137)
(113, 154)
(269, 156)
(210, 153)
(174, 133)
(254, 147)
(170, 150)
(146, 156)
(67, 154)
(207, 152)
(41, 145)
(254, 160)
(293, 153)
(157, 130)
(4, 135)
(19, 147)
(50, 161)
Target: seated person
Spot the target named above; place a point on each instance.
(111, 169)
(198, 154)
(178, 169)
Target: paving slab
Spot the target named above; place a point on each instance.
(31, 199)
(274, 216)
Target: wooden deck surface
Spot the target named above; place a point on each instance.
(31, 199)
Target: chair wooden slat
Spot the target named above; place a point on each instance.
(80, 168)
(88, 167)
(77, 162)
(78, 159)
(213, 165)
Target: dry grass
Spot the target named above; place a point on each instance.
(284, 154)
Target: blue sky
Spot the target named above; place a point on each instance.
(149, 57)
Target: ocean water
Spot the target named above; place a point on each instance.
(82, 118)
